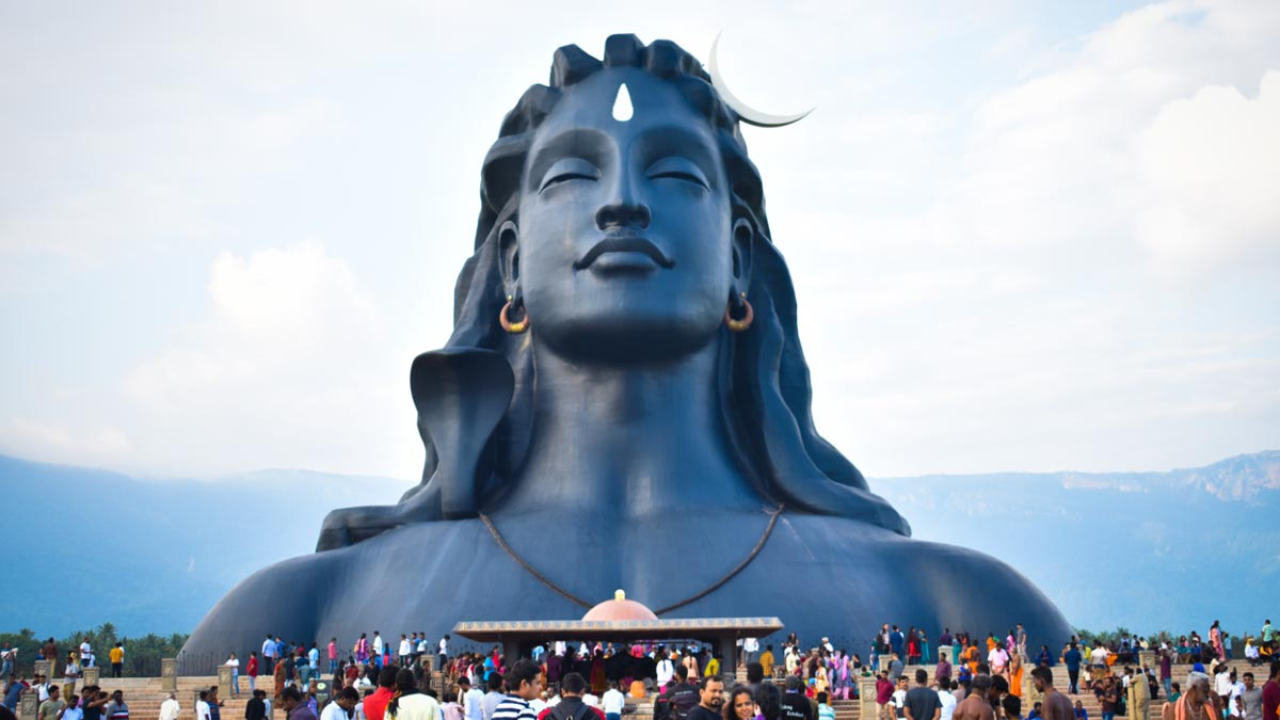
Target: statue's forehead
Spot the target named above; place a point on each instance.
(655, 103)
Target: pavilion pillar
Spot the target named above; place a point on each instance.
(725, 645)
(510, 650)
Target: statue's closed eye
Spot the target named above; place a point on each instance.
(679, 168)
(569, 169)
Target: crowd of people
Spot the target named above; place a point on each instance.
(365, 681)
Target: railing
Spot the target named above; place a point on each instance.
(197, 664)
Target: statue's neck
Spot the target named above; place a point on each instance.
(633, 440)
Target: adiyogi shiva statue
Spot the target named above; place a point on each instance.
(624, 403)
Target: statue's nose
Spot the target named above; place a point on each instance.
(619, 215)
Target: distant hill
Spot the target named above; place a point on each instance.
(89, 546)
(1149, 551)
(1145, 550)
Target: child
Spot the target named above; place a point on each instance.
(825, 711)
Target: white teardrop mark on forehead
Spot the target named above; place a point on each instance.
(622, 110)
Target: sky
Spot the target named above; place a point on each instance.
(1027, 235)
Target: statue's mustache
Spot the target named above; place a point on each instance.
(624, 244)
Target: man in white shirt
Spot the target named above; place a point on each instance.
(342, 705)
(405, 650)
(472, 699)
(561, 647)
(948, 703)
(86, 654)
(202, 706)
(1099, 656)
(750, 649)
(612, 702)
(1222, 685)
(73, 712)
(169, 709)
(377, 647)
(1237, 688)
(41, 687)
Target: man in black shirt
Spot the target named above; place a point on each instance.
(710, 697)
(256, 709)
(922, 701)
(681, 697)
(795, 706)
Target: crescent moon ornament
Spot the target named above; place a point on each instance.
(746, 113)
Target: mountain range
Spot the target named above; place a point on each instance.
(1148, 551)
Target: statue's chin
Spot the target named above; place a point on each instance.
(630, 337)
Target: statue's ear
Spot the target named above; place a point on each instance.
(509, 255)
(744, 241)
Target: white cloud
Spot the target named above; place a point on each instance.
(1073, 299)
(287, 370)
(1210, 170)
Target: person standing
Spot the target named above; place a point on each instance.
(494, 697)
(1248, 700)
(750, 649)
(665, 670)
(404, 650)
(767, 661)
(613, 701)
(710, 699)
(333, 655)
(344, 703)
(1271, 691)
(170, 708)
(375, 705)
(295, 707)
(1020, 635)
(50, 652)
(921, 702)
(202, 706)
(524, 684)
(234, 663)
(269, 654)
(378, 647)
(975, 705)
(1196, 703)
(252, 671)
(256, 708)
(86, 653)
(795, 706)
(117, 709)
(117, 660)
(52, 708)
(471, 699)
(884, 694)
(1139, 697)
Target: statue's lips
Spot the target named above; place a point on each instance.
(630, 244)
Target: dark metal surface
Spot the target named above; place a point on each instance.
(627, 439)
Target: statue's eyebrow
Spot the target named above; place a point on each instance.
(587, 143)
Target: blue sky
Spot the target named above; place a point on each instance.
(1025, 235)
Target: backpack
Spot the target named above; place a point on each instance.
(584, 712)
(661, 708)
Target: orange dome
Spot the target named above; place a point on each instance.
(619, 608)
